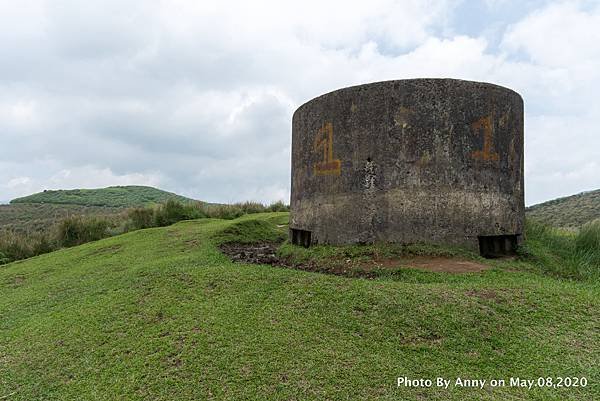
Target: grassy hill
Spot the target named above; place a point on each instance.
(123, 196)
(162, 314)
(39, 212)
(568, 212)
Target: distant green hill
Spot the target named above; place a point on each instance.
(38, 212)
(569, 212)
(125, 196)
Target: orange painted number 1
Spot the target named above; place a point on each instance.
(484, 124)
(324, 139)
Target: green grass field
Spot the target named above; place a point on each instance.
(161, 314)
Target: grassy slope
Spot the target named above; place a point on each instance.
(571, 211)
(126, 196)
(161, 314)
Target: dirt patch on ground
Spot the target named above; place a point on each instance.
(447, 265)
(266, 253)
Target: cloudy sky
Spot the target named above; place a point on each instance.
(196, 97)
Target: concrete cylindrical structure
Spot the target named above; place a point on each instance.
(417, 160)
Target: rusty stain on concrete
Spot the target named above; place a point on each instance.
(485, 125)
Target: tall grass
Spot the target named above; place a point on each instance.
(173, 211)
(588, 238)
(3, 259)
(77, 230)
(140, 217)
(569, 254)
(587, 245)
(16, 246)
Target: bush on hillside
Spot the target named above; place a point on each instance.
(587, 243)
(42, 244)
(561, 252)
(227, 212)
(173, 211)
(251, 207)
(588, 237)
(140, 217)
(78, 230)
(14, 246)
(3, 259)
(17, 246)
(278, 206)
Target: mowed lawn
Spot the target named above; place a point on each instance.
(161, 314)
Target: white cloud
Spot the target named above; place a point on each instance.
(560, 35)
(562, 134)
(18, 114)
(18, 181)
(197, 97)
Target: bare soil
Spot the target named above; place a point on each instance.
(266, 253)
(440, 264)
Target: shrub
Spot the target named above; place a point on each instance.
(173, 211)
(195, 210)
(41, 244)
(278, 206)
(564, 253)
(251, 207)
(141, 217)
(588, 237)
(77, 230)
(227, 212)
(3, 259)
(14, 246)
(587, 244)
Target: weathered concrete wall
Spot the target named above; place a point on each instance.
(420, 160)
